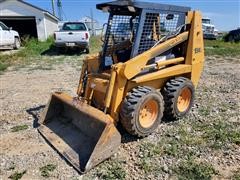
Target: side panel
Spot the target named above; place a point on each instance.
(118, 93)
(195, 50)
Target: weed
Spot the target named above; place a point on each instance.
(148, 149)
(3, 66)
(204, 111)
(221, 48)
(19, 128)
(45, 170)
(148, 165)
(191, 170)
(221, 133)
(111, 170)
(17, 175)
(95, 44)
(172, 149)
(236, 175)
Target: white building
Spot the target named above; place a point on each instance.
(28, 19)
(93, 25)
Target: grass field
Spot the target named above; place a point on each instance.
(35, 50)
(221, 48)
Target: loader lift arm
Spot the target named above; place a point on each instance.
(130, 69)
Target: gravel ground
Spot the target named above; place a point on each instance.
(24, 92)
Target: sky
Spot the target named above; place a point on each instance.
(225, 14)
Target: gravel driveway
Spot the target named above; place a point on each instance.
(24, 92)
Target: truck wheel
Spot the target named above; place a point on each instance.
(231, 38)
(17, 43)
(60, 50)
(87, 51)
(178, 96)
(142, 111)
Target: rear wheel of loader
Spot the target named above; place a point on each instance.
(178, 96)
(142, 111)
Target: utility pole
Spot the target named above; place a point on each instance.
(92, 25)
(53, 7)
(59, 5)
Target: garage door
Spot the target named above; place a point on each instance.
(25, 26)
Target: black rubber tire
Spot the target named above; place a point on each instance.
(230, 38)
(17, 43)
(131, 108)
(171, 92)
(60, 50)
(87, 51)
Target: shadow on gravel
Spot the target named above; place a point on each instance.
(126, 137)
(35, 113)
(54, 51)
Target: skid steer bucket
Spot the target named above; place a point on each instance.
(84, 135)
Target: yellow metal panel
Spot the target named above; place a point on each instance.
(195, 50)
(167, 72)
(93, 63)
(117, 95)
(156, 84)
(99, 84)
(110, 89)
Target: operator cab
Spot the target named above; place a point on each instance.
(135, 27)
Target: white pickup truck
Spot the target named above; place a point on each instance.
(8, 37)
(73, 34)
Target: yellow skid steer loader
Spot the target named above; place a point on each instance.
(148, 69)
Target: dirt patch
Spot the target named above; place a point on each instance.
(24, 93)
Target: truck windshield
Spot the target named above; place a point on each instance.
(3, 26)
(206, 21)
(74, 27)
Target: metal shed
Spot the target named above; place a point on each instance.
(28, 19)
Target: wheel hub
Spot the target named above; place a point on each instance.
(148, 113)
(184, 99)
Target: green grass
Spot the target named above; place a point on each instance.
(33, 47)
(46, 170)
(111, 170)
(19, 128)
(221, 48)
(33, 51)
(95, 44)
(17, 175)
(148, 151)
(221, 133)
(192, 170)
(236, 175)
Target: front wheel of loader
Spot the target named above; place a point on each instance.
(178, 96)
(142, 111)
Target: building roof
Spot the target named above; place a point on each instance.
(143, 5)
(88, 19)
(38, 8)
